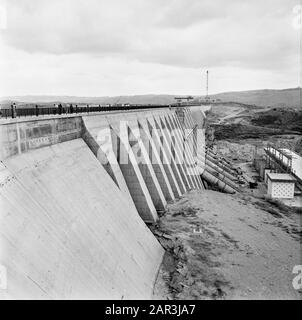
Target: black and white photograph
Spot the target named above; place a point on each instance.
(150, 153)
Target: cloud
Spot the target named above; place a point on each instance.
(176, 32)
(124, 47)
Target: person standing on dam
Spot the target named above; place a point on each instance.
(13, 110)
(60, 108)
(37, 111)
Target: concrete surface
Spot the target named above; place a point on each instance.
(67, 232)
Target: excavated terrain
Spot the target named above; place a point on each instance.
(221, 246)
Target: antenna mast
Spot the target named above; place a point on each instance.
(207, 96)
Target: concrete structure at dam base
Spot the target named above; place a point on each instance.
(77, 194)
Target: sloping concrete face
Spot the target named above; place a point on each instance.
(156, 162)
(67, 231)
(183, 119)
(144, 161)
(197, 118)
(129, 165)
(102, 141)
(179, 145)
(164, 157)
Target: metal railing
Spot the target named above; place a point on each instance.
(14, 111)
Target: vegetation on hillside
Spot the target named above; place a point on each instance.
(284, 119)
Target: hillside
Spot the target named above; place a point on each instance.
(267, 97)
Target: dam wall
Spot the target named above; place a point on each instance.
(146, 155)
(76, 194)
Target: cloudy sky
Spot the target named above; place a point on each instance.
(118, 47)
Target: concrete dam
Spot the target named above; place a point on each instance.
(78, 192)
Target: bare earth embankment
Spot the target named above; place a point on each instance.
(222, 246)
(255, 126)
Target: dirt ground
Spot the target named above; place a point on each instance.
(250, 126)
(245, 150)
(222, 246)
(241, 246)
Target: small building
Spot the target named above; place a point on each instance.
(266, 171)
(280, 185)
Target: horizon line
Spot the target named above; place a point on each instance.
(144, 94)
